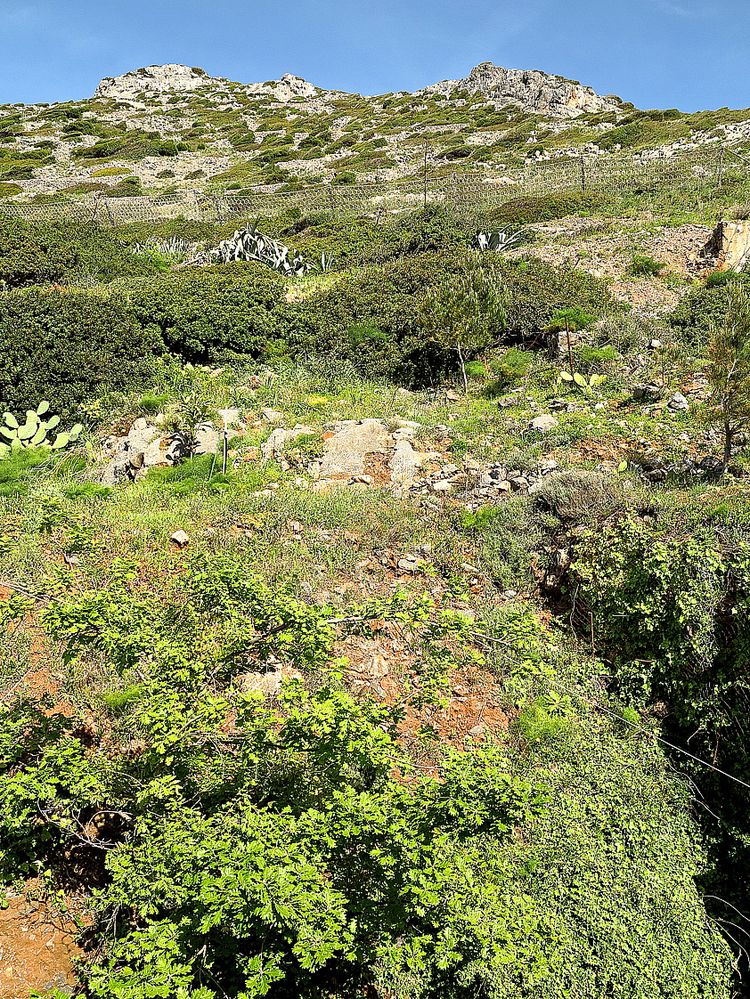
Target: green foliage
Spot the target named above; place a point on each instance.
(670, 608)
(644, 266)
(510, 368)
(66, 346)
(203, 314)
(33, 432)
(17, 470)
(63, 253)
(702, 310)
(292, 846)
(573, 319)
(466, 312)
(544, 208)
(390, 299)
(728, 369)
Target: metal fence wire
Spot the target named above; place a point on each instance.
(707, 167)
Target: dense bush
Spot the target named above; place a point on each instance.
(702, 308)
(66, 346)
(670, 608)
(389, 297)
(292, 848)
(62, 252)
(203, 314)
(544, 208)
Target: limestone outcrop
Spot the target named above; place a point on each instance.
(531, 90)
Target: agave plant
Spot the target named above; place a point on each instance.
(252, 245)
(175, 247)
(34, 431)
(499, 241)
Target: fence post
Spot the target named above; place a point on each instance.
(720, 169)
(583, 172)
(97, 199)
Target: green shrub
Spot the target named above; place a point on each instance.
(62, 252)
(67, 346)
(702, 309)
(511, 368)
(541, 293)
(644, 266)
(204, 314)
(592, 359)
(544, 208)
(389, 298)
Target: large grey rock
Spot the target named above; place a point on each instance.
(405, 463)
(170, 78)
(347, 450)
(678, 403)
(531, 90)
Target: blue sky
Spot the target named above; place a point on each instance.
(691, 54)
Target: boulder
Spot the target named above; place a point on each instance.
(543, 424)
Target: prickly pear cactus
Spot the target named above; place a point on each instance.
(34, 431)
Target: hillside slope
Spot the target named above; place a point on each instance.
(166, 128)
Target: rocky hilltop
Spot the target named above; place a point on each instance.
(174, 78)
(531, 90)
(171, 78)
(173, 128)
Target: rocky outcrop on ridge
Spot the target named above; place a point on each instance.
(530, 89)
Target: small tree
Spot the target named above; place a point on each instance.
(728, 369)
(466, 312)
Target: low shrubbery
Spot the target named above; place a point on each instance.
(202, 314)
(388, 298)
(65, 253)
(704, 308)
(244, 846)
(545, 208)
(68, 345)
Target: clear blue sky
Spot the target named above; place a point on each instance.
(691, 54)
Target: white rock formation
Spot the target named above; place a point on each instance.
(172, 78)
(531, 90)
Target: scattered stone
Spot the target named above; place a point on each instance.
(409, 563)
(678, 403)
(543, 424)
(646, 393)
(180, 538)
(272, 415)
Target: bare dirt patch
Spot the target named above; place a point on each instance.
(37, 948)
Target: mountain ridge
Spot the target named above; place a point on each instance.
(531, 89)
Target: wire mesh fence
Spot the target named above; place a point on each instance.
(707, 168)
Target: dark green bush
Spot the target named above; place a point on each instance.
(699, 310)
(544, 208)
(385, 298)
(65, 253)
(510, 369)
(388, 298)
(66, 346)
(203, 314)
(541, 292)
